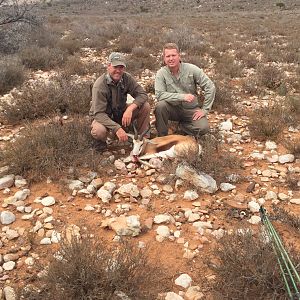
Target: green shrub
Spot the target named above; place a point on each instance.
(69, 45)
(74, 66)
(227, 66)
(224, 101)
(11, 74)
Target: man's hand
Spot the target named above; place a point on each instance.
(127, 116)
(198, 114)
(189, 97)
(122, 135)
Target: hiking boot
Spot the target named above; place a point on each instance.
(99, 146)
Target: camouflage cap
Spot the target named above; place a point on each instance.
(116, 59)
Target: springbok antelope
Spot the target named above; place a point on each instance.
(170, 146)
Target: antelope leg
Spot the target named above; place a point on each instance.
(146, 164)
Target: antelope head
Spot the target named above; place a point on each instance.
(138, 142)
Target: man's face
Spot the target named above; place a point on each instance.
(115, 72)
(171, 58)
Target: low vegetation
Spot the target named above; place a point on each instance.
(50, 149)
(87, 268)
(246, 268)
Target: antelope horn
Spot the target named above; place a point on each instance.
(144, 132)
(135, 131)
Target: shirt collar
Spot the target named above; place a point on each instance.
(110, 81)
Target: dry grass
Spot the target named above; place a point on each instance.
(286, 217)
(45, 99)
(87, 268)
(50, 149)
(267, 122)
(11, 74)
(270, 76)
(246, 268)
(224, 101)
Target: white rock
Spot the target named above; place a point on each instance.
(253, 206)
(286, 158)
(29, 261)
(109, 186)
(190, 195)
(48, 201)
(283, 197)
(75, 185)
(254, 220)
(104, 195)
(226, 126)
(194, 293)
(295, 201)
(203, 181)
(184, 280)
(219, 233)
(163, 231)
(8, 266)
(9, 293)
(129, 189)
(7, 217)
(158, 219)
(226, 187)
(6, 181)
(270, 145)
(45, 241)
(146, 193)
(202, 225)
(193, 217)
(173, 296)
(11, 234)
(21, 182)
(271, 195)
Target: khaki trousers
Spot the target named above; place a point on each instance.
(141, 115)
(164, 112)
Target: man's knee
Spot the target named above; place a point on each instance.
(160, 107)
(98, 131)
(145, 108)
(201, 127)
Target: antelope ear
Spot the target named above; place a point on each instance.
(131, 136)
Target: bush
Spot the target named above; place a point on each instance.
(11, 74)
(50, 149)
(270, 77)
(227, 66)
(86, 268)
(42, 58)
(69, 45)
(46, 98)
(224, 101)
(293, 145)
(267, 122)
(247, 268)
(214, 160)
(74, 66)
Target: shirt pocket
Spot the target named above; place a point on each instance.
(170, 86)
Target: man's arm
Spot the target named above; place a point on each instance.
(208, 88)
(161, 90)
(98, 108)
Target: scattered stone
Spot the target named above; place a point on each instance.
(168, 188)
(226, 126)
(253, 206)
(6, 181)
(251, 187)
(8, 266)
(254, 220)
(128, 189)
(126, 226)
(9, 293)
(163, 231)
(226, 187)
(48, 201)
(203, 181)
(146, 192)
(158, 219)
(271, 195)
(286, 158)
(194, 293)
(104, 195)
(190, 195)
(184, 280)
(7, 217)
(75, 185)
(283, 197)
(45, 241)
(295, 201)
(173, 296)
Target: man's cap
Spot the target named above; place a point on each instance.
(117, 59)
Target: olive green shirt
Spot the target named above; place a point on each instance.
(173, 89)
(109, 99)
